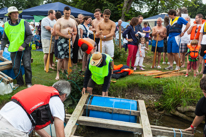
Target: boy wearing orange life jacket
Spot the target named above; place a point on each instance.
(192, 56)
(88, 47)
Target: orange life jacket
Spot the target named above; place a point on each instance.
(35, 102)
(117, 67)
(127, 70)
(193, 36)
(90, 46)
(194, 51)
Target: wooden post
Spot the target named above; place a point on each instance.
(48, 58)
(147, 132)
(94, 35)
(75, 115)
(69, 70)
(154, 58)
(100, 45)
(120, 36)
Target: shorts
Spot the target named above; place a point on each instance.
(165, 46)
(183, 48)
(204, 72)
(146, 39)
(107, 47)
(160, 46)
(173, 44)
(55, 48)
(63, 48)
(203, 48)
(7, 130)
(192, 64)
(91, 84)
(46, 45)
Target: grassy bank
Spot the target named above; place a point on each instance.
(174, 90)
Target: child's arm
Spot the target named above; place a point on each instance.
(140, 52)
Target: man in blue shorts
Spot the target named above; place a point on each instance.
(175, 32)
(159, 32)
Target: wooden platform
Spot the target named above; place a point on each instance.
(143, 127)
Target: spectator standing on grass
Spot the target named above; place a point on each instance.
(175, 33)
(117, 32)
(19, 48)
(159, 32)
(146, 30)
(46, 28)
(132, 41)
(166, 24)
(185, 39)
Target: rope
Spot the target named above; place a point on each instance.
(174, 132)
(87, 105)
(12, 69)
(50, 130)
(180, 132)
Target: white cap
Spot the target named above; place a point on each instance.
(12, 9)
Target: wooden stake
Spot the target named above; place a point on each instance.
(70, 62)
(155, 52)
(48, 59)
(120, 34)
(100, 45)
(94, 35)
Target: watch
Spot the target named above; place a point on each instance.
(104, 37)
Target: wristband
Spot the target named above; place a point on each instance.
(104, 37)
(193, 127)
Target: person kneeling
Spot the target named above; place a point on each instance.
(192, 58)
(99, 71)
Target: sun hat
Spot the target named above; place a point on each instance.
(12, 9)
(96, 58)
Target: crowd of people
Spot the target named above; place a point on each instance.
(92, 44)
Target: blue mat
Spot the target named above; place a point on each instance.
(38, 50)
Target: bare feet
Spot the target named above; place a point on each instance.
(57, 78)
(52, 68)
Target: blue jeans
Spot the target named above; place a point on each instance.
(26, 59)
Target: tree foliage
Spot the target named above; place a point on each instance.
(20, 4)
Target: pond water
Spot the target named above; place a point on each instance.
(162, 120)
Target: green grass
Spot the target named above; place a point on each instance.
(175, 91)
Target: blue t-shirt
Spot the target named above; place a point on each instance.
(146, 29)
(180, 21)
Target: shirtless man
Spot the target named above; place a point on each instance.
(161, 31)
(64, 28)
(105, 31)
(95, 22)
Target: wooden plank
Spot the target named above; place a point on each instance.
(145, 72)
(169, 75)
(161, 73)
(113, 110)
(127, 126)
(5, 63)
(5, 78)
(147, 132)
(109, 124)
(75, 115)
(3, 59)
(5, 67)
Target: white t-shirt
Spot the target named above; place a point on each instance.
(204, 36)
(18, 118)
(186, 37)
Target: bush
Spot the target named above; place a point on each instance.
(119, 55)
